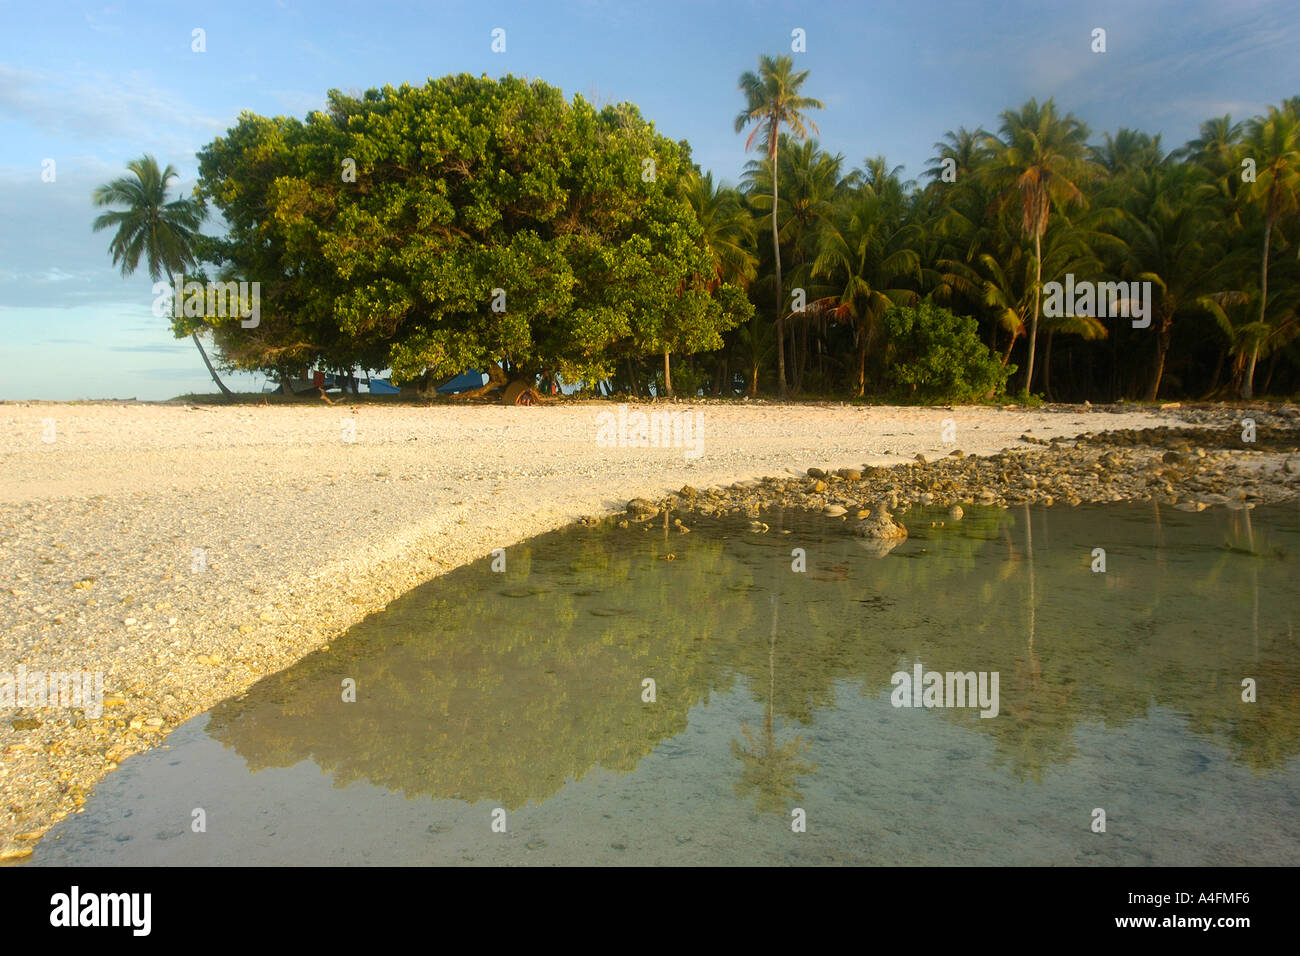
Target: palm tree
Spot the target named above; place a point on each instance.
(1273, 141)
(771, 100)
(728, 229)
(967, 150)
(1169, 226)
(1128, 150)
(866, 252)
(1215, 150)
(1038, 155)
(810, 185)
(1003, 281)
(1252, 339)
(162, 232)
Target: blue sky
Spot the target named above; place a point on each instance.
(94, 85)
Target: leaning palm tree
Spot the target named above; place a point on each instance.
(162, 233)
(1038, 157)
(771, 100)
(1273, 141)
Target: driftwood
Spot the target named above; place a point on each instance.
(520, 392)
(496, 379)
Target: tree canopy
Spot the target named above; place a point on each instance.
(469, 222)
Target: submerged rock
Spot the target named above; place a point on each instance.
(880, 526)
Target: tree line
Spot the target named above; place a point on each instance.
(493, 224)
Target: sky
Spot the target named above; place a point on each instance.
(91, 86)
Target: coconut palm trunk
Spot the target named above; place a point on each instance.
(203, 352)
(1163, 338)
(776, 258)
(1248, 381)
(1033, 319)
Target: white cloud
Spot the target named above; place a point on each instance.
(98, 105)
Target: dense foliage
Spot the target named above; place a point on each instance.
(466, 223)
(934, 355)
(493, 224)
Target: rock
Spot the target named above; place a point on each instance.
(956, 453)
(880, 526)
(688, 492)
(18, 853)
(955, 513)
(819, 487)
(863, 513)
(816, 473)
(639, 506)
(1292, 465)
(926, 498)
(1171, 458)
(757, 527)
(1029, 481)
(834, 511)
(920, 458)
(985, 496)
(850, 474)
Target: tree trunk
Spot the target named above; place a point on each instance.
(1006, 356)
(1248, 383)
(668, 377)
(1218, 371)
(862, 363)
(199, 345)
(782, 390)
(1033, 321)
(1272, 366)
(211, 371)
(1162, 349)
(1248, 380)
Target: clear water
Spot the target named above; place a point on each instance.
(523, 691)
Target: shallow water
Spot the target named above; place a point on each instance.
(523, 691)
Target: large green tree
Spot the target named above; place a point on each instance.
(469, 222)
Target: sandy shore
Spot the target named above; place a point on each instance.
(187, 551)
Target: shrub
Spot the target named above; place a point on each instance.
(933, 355)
